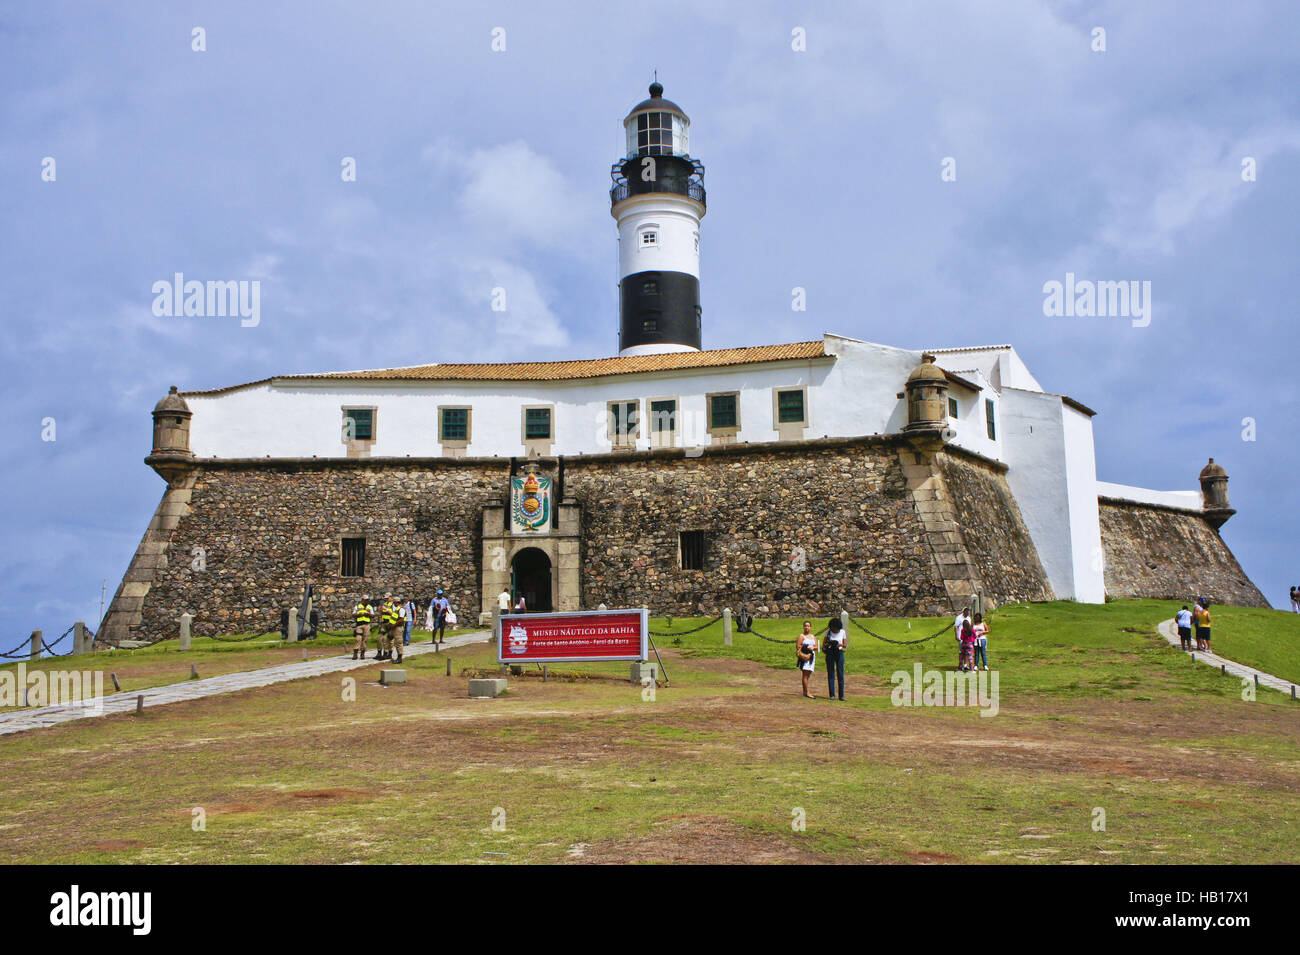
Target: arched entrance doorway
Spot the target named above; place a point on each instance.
(530, 575)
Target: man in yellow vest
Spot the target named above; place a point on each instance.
(390, 629)
(363, 613)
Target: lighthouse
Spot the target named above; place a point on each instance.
(658, 201)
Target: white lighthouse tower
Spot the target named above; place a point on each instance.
(658, 202)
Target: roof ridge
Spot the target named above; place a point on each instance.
(560, 370)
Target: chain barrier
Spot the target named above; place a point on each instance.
(251, 636)
(768, 639)
(50, 646)
(18, 653)
(901, 643)
(682, 633)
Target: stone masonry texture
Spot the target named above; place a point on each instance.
(790, 528)
(1169, 554)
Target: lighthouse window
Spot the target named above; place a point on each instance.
(654, 134)
(650, 325)
(649, 237)
(650, 288)
(354, 557)
(988, 418)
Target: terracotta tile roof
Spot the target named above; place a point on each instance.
(562, 370)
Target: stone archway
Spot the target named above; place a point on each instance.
(531, 575)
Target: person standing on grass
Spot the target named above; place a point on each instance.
(836, 642)
(958, 626)
(981, 631)
(806, 653)
(967, 645)
(1295, 599)
(1183, 620)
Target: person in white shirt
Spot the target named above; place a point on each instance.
(1183, 619)
(503, 601)
(962, 620)
(837, 641)
(441, 607)
(806, 656)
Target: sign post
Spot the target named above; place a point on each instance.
(582, 636)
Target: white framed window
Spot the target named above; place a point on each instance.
(649, 238)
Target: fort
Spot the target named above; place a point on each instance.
(825, 474)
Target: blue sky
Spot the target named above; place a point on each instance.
(478, 168)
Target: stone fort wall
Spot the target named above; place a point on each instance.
(869, 524)
(1168, 554)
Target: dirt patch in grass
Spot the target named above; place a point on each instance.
(693, 839)
(930, 858)
(289, 799)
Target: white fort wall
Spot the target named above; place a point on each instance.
(854, 394)
(1053, 476)
(1184, 500)
(1046, 443)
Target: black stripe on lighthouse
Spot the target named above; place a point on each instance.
(657, 308)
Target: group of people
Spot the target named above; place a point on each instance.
(1295, 599)
(396, 621)
(972, 641)
(833, 647)
(1194, 623)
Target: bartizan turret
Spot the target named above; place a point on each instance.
(1214, 495)
(927, 397)
(171, 456)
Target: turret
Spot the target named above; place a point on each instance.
(1214, 495)
(171, 436)
(658, 201)
(927, 397)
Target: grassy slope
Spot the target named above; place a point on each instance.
(1095, 711)
(1061, 648)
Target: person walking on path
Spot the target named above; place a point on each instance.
(1295, 599)
(1203, 628)
(503, 601)
(521, 605)
(959, 625)
(1183, 620)
(441, 607)
(362, 614)
(806, 656)
(981, 631)
(836, 642)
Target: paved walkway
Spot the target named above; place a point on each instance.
(17, 720)
(1170, 632)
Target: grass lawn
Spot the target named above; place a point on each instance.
(1097, 715)
(164, 663)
